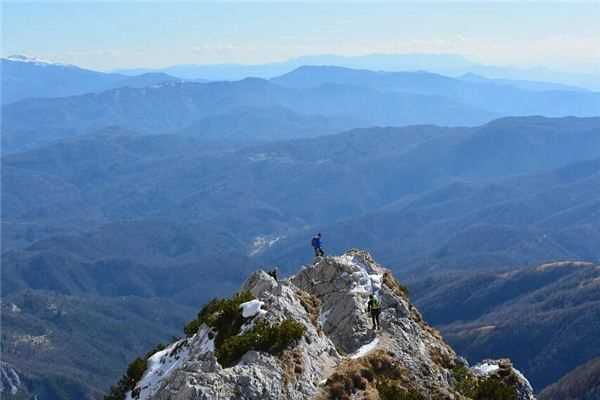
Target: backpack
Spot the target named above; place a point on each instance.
(375, 303)
(315, 242)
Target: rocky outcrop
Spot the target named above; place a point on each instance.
(338, 357)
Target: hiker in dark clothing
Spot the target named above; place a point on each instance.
(316, 244)
(273, 273)
(374, 308)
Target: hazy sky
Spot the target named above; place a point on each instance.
(107, 35)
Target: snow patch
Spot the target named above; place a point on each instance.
(162, 363)
(323, 317)
(365, 349)
(35, 61)
(252, 308)
(364, 282)
(485, 369)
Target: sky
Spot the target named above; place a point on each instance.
(112, 35)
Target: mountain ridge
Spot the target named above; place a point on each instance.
(332, 355)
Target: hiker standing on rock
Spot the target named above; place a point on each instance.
(374, 308)
(316, 244)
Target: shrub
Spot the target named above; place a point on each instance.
(136, 370)
(263, 337)
(222, 314)
(358, 381)
(134, 373)
(494, 389)
(156, 349)
(191, 328)
(464, 381)
(388, 391)
(367, 374)
(491, 388)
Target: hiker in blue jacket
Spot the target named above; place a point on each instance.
(316, 244)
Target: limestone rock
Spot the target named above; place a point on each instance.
(339, 355)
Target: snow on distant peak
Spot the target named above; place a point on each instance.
(32, 60)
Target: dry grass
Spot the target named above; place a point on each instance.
(442, 358)
(358, 378)
(391, 282)
(293, 365)
(312, 305)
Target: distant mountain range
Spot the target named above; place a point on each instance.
(306, 102)
(174, 106)
(498, 96)
(445, 64)
(24, 77)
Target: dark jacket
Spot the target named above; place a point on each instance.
(373, 304)
(316, 242)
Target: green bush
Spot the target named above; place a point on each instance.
(263, 337)
(494, 389)
(389, 391)
(191, 327)
(464, 382)
(134, 373)
(223, 315)
(136, 370)
(491, 388)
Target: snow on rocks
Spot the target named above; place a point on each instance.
(366, 279)
(364, 350)
(162, 363)
(485, 369)
(504, 367)
(252, 308)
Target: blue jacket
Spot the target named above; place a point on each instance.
(316, 242)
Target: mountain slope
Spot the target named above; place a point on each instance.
(176, 105)
(376, 186)
(24, 78)
(470, 224)
(64, 347)
(537, 316)
(583, 383)
(250, 124)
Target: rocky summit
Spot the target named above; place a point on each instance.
(309, 336)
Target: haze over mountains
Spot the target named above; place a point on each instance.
(135, 202)
(445, 64)
(333, 97)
